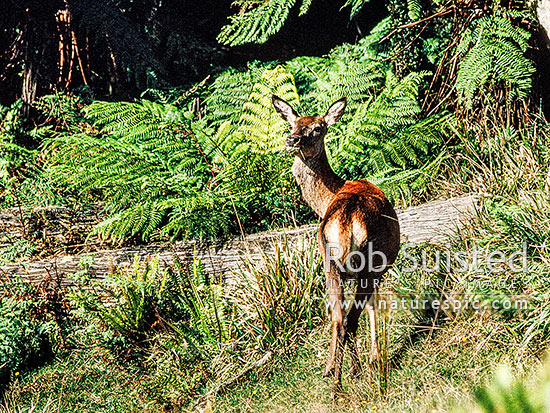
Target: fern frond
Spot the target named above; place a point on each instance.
(493, 51)
(258, 24)
(260, 125)
(146, 165)
(355, 6)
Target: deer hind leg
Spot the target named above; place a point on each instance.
(352, 323)
(374, 357)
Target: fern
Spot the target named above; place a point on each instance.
(255, 172)
(414, 9)
(147, 166)
(258, 24)
(259, 129)
(203, 301)
(228, 93)
(21, 180)
(260, 125)
(349, 70)
(493, 51)
(144, 298)
(386, 135)
(134, 294)
(355, 6)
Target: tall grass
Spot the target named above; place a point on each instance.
(279, 298)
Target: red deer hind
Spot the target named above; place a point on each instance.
(357, 221)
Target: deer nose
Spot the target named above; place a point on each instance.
(292, 140)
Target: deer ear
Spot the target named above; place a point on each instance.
(335, 112)
(284, 109)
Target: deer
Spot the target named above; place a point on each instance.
(356, 219)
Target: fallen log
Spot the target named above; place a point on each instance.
(427, 223)
(52, 229)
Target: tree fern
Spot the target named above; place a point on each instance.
(256, 171)
(355, 6)
(385, 133)
(493, 50)
(147, 167)
(259, 124)
(348, 70)
(414, 8)
(229, 92)
(258, 24)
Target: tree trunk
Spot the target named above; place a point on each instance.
(30, 84)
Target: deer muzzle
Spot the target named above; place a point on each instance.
(293, 141)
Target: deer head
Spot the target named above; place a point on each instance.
(307, 134)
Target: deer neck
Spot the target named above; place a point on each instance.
(319, 183)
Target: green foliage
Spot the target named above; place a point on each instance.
(26, 329)
(525, 224)
(135, 295)
(493, 51)
(20, 249)
(17, 162)
(381, 136)
(280, 298)
(141, 300)
(228, 93)
(256, 173)
(258, 24)
(410, 43)
(506, 394)
(260, 125)
(259, 128)
(146, 165)
(355, 6)
(208, 323)
(378, 120)
(164, 171)
(394, 146)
